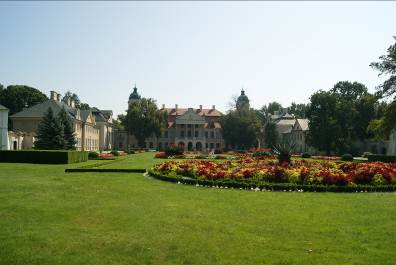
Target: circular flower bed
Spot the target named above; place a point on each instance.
(313, 175)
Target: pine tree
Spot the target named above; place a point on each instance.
(50, 133)
(68, 132)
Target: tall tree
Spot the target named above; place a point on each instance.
(144, 119)
(387, 67)
(271, 136)
(50, 134)
(299, 110)
(17, 97)
(382, 126)
(68, 131)
(323, 128)
(241, 129)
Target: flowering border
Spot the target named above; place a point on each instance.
(267, 186)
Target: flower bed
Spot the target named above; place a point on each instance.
(301, 172)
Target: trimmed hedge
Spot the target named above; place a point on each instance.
(43, 156)
(382, 158)
(273, 186)
(107, 170)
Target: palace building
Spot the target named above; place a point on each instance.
(193, 128)
(93, 128)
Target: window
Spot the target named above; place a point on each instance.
(206, 145)
(159, 146)
(196, 134)
(212, 145)
(151, 145)
(189, 126)
(181, 133)
(206, 134)
(217, 145)
(166, 134)
(189, 133)
(196, 126)
(212, 135)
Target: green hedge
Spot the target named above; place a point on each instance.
(273, 186)
(43, 156)
(107, 170)
(382, 158)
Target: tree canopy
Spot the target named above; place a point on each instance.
(144, 119)
(241, 129)
(75, 98)
(17, 97)
(387, 67)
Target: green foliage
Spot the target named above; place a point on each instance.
(17, 97)
(93, 155)
(382, 127)
(115, 153)
(382, 158)
(174, 150)
(284, 150)
(144, 119)
(323, 127)
(68, 130)
(43, 156)
(299, 110)
(306, 155)
(387, 66)
(347, 157)
(50, 135)
(271, 135)
(241, 129)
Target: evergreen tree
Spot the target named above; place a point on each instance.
(50, 133)
(68, 132)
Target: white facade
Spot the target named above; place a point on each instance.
(4, 144)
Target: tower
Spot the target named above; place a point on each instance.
(134, 96)
(242, 101)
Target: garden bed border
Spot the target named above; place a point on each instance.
(272, 186)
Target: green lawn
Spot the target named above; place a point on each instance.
(51, 217)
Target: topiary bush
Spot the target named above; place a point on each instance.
(43, 156)
(93, 155)
(174, 150)
(347, 157)
(115, 153)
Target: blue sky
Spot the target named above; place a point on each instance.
(192, 53)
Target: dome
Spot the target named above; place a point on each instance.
(242, 101)
(134, 95)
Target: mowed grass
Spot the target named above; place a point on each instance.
(51, 217)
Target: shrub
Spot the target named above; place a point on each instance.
(262, 153)
(43, 156)
(201, 157)
(366, 154)
(382, 158)
(161, 155)
(306, 155)
(115, 153)
(218, 151)
(220, 157)
(283, 151)
(174, 150)
(93, 155)
(131, 152)
(347, 157)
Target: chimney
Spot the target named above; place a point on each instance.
(200, 108)
(176, 107)
(58, 97)
(163, 106)
(213, 107)
(72, 103)
(53, 95)
(68, 101)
